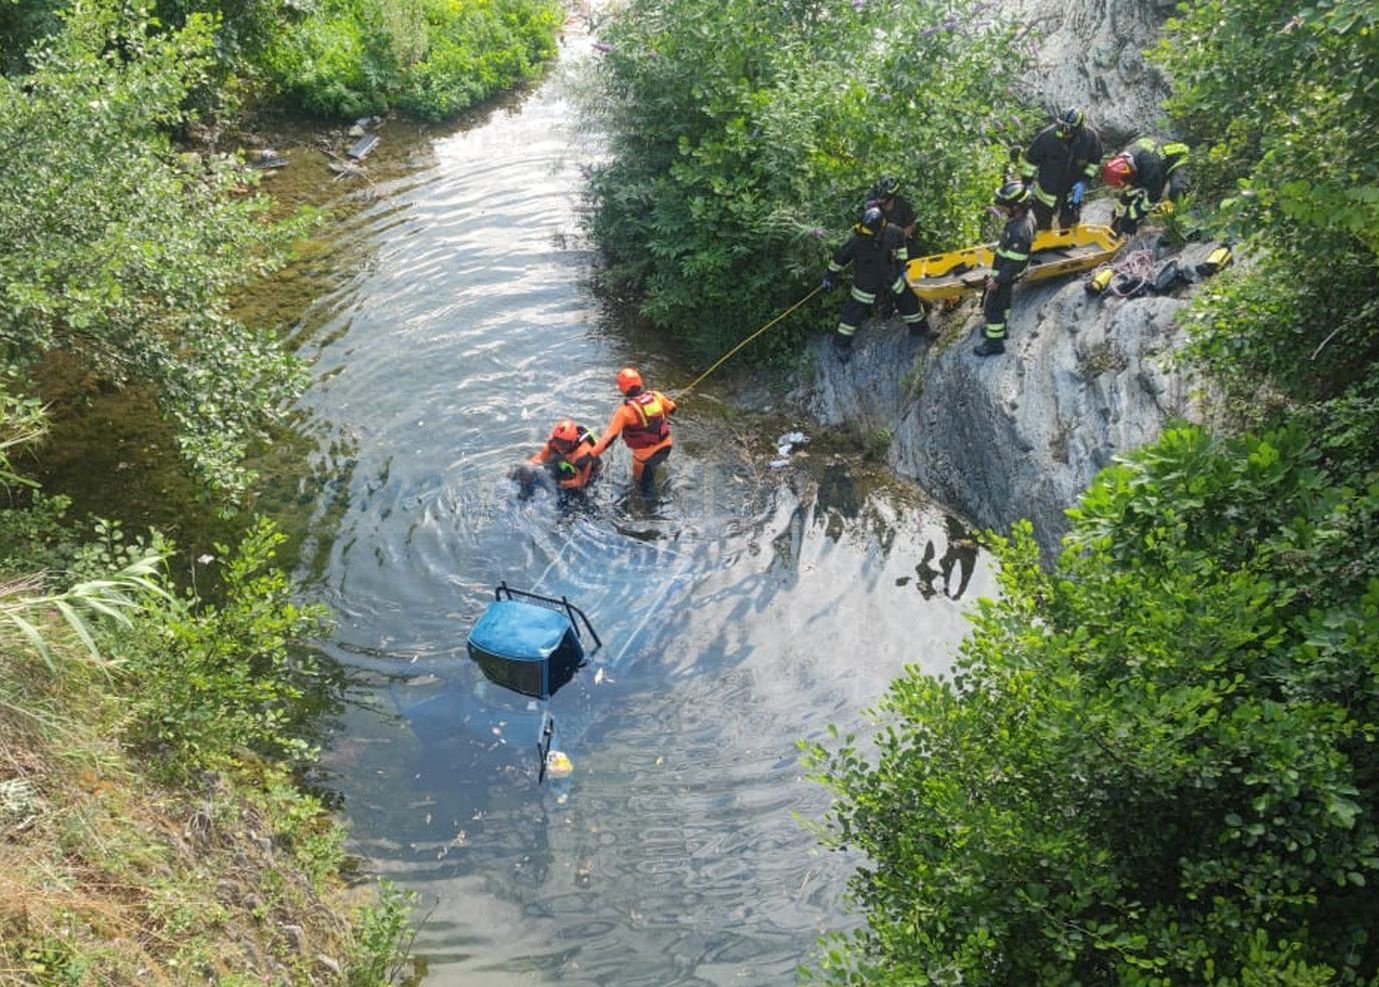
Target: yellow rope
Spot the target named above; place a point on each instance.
(724, 358)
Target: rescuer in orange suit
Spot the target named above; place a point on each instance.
(569, 455)
(643, 421)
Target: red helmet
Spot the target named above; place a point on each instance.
(565, 433)
(1118, 170)
(628, 379)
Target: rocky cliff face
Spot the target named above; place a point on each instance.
(1019, 435)
(1083, 378)
(1089, 55)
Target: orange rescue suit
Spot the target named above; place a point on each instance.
(643, 421)
(574, 469)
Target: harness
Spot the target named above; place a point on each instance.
(651, 427)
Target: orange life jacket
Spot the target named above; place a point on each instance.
(651, 427)
(570, 472)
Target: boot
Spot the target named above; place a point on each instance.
(842, 345)
(923, 329)
(990, 347)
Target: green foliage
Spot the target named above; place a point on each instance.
(383, 938)
(1155, 764)
(1284, 100)
(1280, 102)
(213, 680)
(431, 58)
(122, 255)
(744, 140)
(22, 22)
(23, 424)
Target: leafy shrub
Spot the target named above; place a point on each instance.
(1280, 103)
(121, 255)
(431, 58)
(212, 680)
(744, 140)
(1154, 765)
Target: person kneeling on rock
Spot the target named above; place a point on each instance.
(873, 248)
(1009, 265)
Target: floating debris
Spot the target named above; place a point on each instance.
(361, 148)
(558, 764)
(265, 159)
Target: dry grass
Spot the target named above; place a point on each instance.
(108, 878)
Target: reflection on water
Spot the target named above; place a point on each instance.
(739, 613)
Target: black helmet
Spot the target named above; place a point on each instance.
(886, 187)
(1011, 194)
(1072, 117)
(871, 220)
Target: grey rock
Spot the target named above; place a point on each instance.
(1089, 55)
(1020, 435)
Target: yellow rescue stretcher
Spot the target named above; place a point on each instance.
(1054, 253)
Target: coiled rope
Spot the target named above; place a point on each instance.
(1131, 272)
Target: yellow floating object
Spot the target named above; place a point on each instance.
(1054, 253)
(558, 764)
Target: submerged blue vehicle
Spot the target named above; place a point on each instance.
(532, 645)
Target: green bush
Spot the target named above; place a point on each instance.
(1279, 102)
(120, 254)
(744, 139)
(212, 680)
(1154, 765)
(431, 58)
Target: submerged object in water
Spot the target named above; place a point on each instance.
(529, 643)
(558, 764)
(532, 645)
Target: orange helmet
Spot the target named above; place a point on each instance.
(628, 379)
(1118, 170)
(565, 433)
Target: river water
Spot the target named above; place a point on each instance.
(744, 608)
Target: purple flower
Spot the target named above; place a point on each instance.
(600, 46)
(858, 4)
(817, 233)
(928, 32)
(950, 23)
(885, 97)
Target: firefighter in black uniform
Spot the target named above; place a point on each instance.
(1012, 258)
(874, 250)
(1145, 172)
(1058, 165)
(898, 212)
(896, 209)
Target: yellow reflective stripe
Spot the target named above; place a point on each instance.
(865, 297)
(652, 409)
(1043, 196)
(1027, 167)
(898, 285)
(1012, 254)
(1179, 149)
(902, 253)
(834, 267)
(1092, 170)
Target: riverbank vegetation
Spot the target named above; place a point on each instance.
(743, 139)
(150, 827)
(1156, 761)
(153, 823)
(337, 59)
